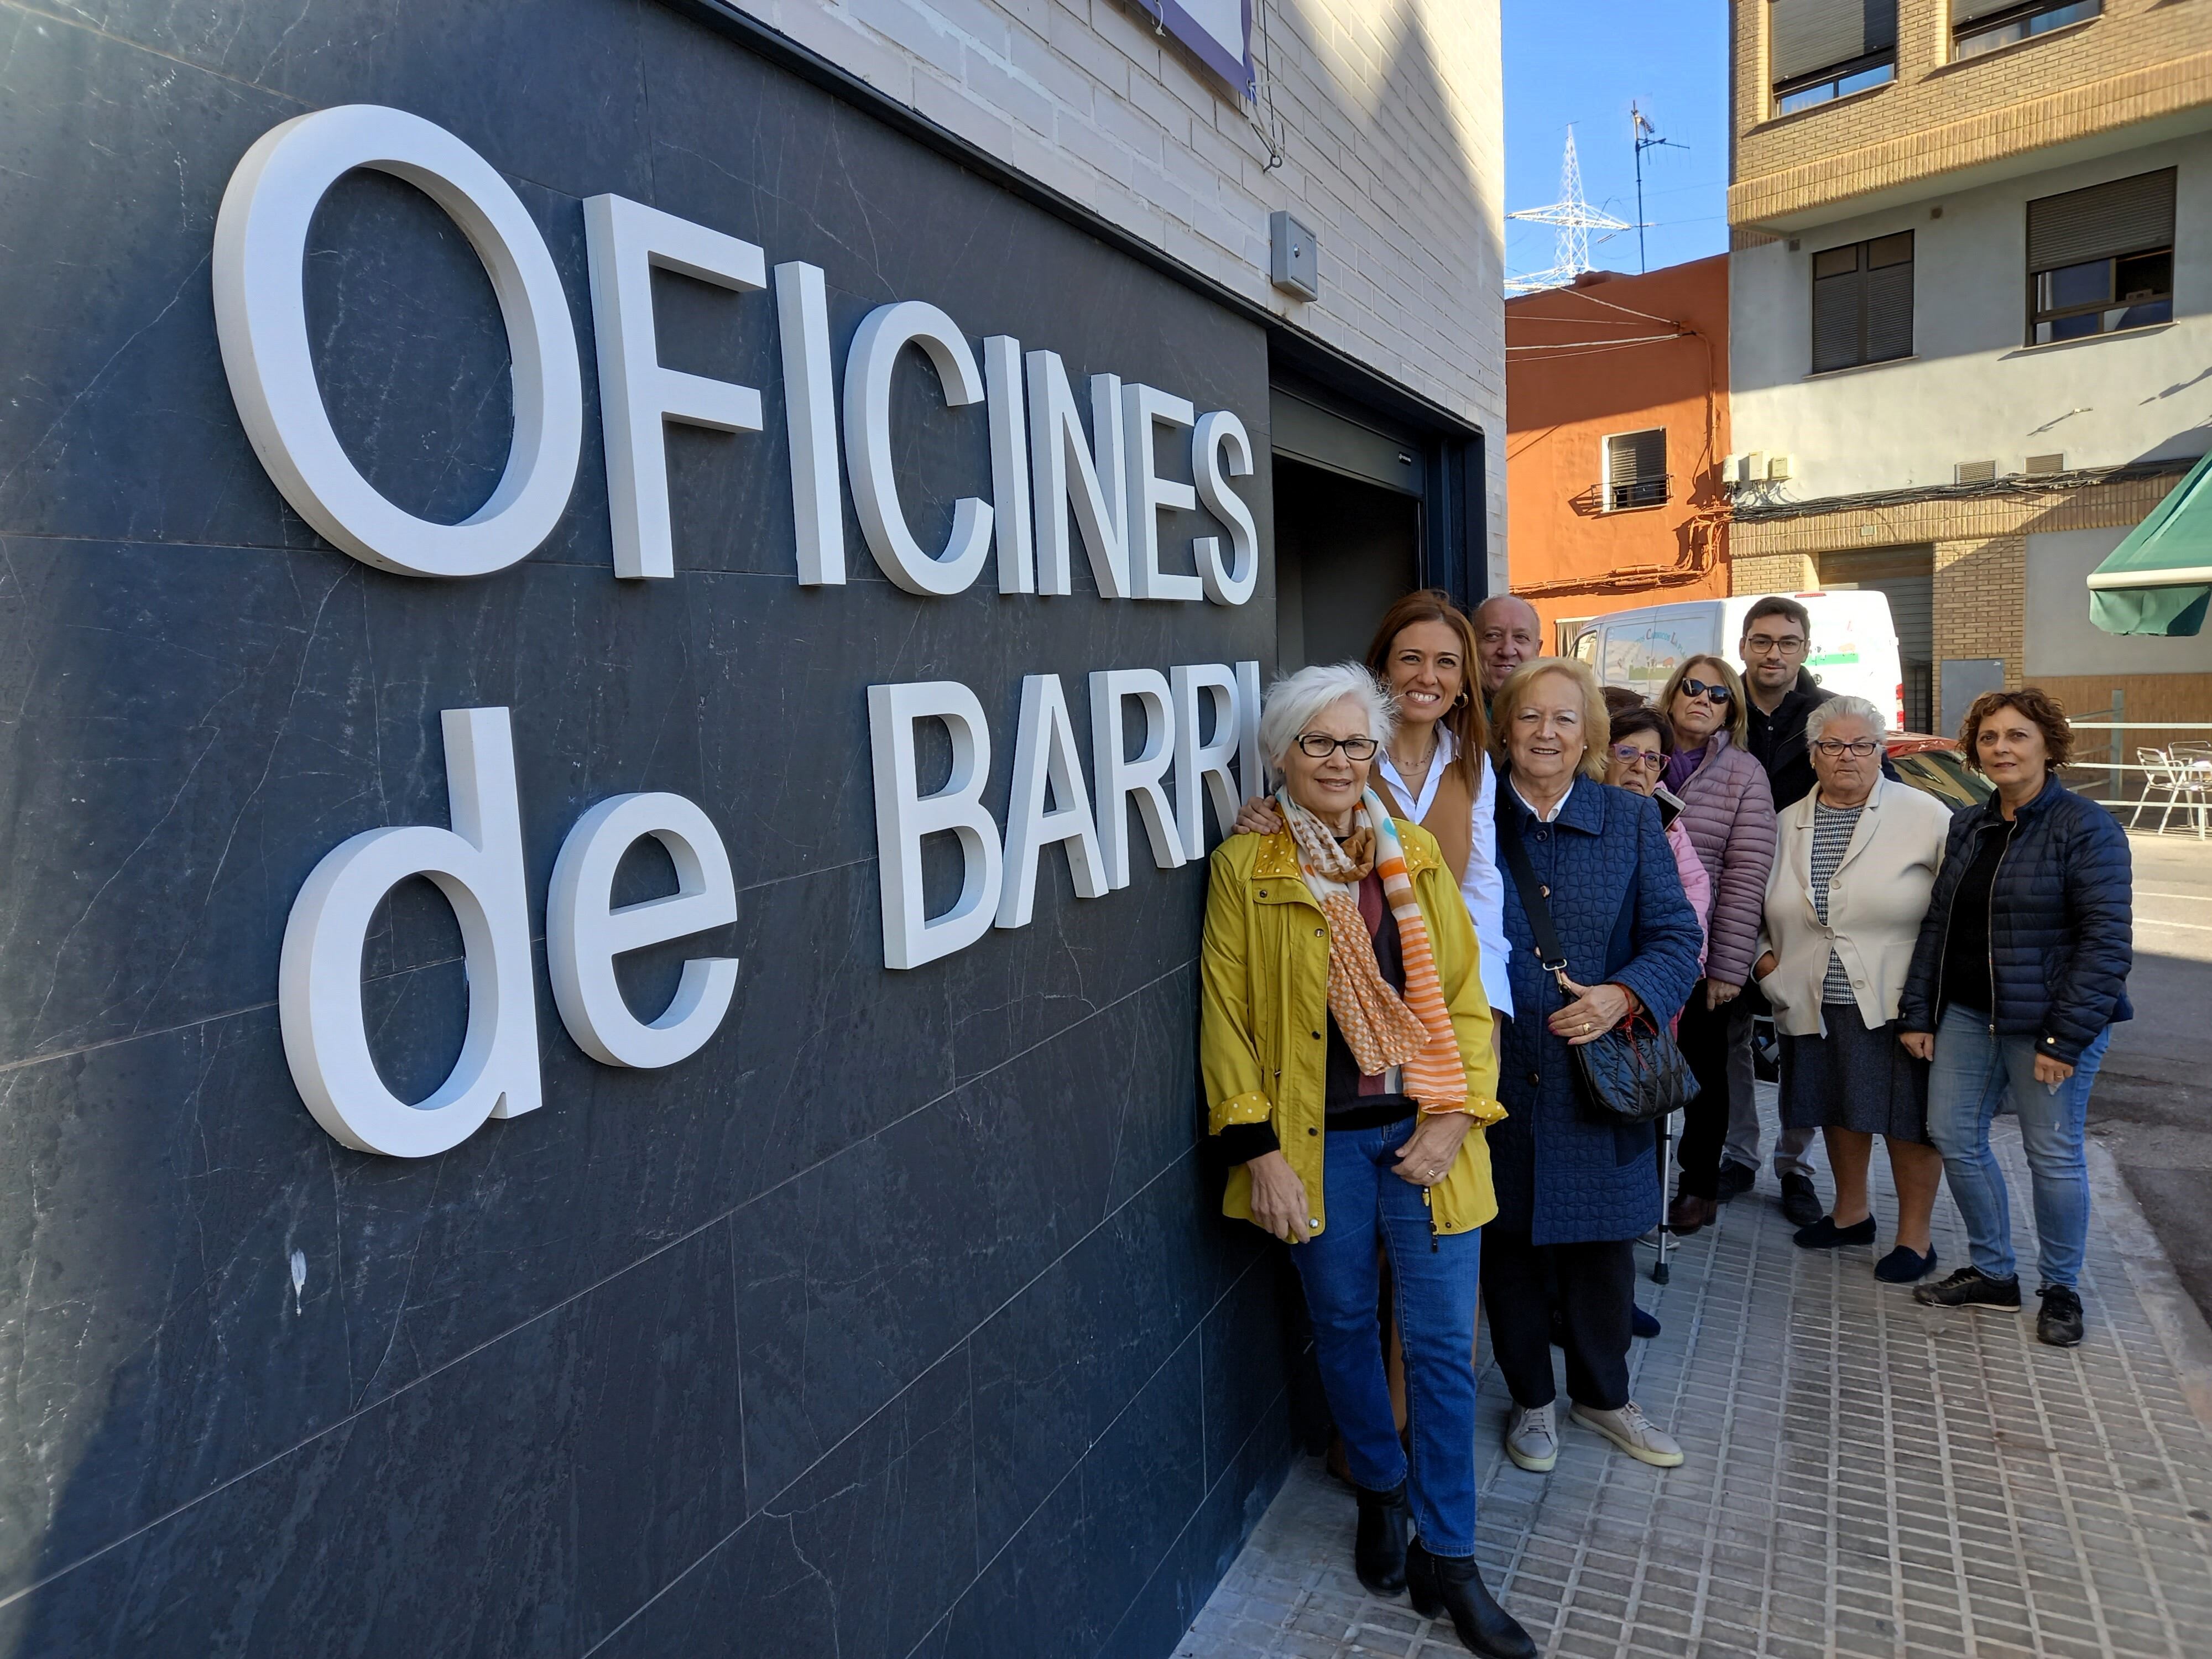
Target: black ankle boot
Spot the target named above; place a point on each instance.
(1442, 1583)
(1378, 1550)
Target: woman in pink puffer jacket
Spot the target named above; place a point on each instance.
(1730, 813)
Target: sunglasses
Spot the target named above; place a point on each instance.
(1719, 694)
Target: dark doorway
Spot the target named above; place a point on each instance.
(1345, 551)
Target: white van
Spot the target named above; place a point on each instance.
(1853, 643)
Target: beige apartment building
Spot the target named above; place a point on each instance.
(1971, 321)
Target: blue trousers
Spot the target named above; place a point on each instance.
(1435, 1280)
(1974, 1074)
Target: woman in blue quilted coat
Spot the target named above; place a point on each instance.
(1575, 1191)
(2020, 974)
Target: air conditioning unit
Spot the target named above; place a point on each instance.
(1779, 467)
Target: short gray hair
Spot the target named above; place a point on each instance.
(1295, 699)
(1838, 708)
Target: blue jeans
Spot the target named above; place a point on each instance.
(1434, 1293)
(1973, 1075)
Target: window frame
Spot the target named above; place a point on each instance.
(1862, 249)
(1830, 82)
(2029, 12)
(2041, 316)
(1606, 487)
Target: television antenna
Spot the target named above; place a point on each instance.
(1646, 136)
(1576, 218)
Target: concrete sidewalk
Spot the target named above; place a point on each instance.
(1866, 1477)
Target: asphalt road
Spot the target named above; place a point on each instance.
(2153, 1104)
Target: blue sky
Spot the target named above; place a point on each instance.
(1583, 61)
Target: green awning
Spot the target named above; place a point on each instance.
(2160, 580)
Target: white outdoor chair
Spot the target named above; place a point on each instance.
(2158, 774)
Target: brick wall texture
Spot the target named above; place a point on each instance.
(1980, 563)
(1391, 138)
(2137, 61)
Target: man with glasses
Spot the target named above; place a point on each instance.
(1777, 634)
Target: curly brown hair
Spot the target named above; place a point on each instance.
(2047, 714)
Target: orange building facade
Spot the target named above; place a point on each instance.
(1617, 423)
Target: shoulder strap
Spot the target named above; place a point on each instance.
(1550, 956)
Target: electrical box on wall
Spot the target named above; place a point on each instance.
(1293, 263)
(1778, 468)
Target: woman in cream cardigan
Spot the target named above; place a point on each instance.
(1853, 864)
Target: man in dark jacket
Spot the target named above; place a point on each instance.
(1780, 693)
(1777, 635)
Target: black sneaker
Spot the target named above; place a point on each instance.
(1737, 1180)
(1969, 1287)
(2059, 1324)
(1801, 1204)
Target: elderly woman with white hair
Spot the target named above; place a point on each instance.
(1854, 864)
(1345, 1047)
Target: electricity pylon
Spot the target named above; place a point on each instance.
(1576, 219)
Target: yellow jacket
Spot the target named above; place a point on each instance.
(1263, 1013)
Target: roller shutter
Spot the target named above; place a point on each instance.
(1806, 36)
(2127, 216)
(1635, 468)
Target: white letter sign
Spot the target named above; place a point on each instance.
(477, 866)
(1143, 408)
(886, 331)
(261, 319)
(585, 931)
(1045, 759)
(1120, 777)
(904, 815)
(628, 241)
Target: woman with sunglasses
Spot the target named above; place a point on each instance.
(1729, 810)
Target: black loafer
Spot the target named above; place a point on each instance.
(1736, 1179)
(1378, 1548)
(1969, 1287)
(2059, 1324)
(1801, 1204)
(1903, 1266)
(1825, 1234)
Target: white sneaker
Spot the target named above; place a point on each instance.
(1634, 1432)
(1533, 1441)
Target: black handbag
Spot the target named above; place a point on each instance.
(1632, 1073)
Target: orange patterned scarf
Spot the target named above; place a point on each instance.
(1382, 1028)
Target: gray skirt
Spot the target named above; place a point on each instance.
(1854, 1078)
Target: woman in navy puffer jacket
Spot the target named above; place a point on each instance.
(1574, 1191)
(2020, 974)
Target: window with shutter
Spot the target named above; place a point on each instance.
(1980, 25)
(1862, 303)
(2101, 260)
(1635, 469)
(1820, 50)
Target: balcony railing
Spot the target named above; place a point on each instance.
(1637, 492)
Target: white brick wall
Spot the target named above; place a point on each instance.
(1392, 141)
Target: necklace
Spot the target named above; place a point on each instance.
(1415, 776)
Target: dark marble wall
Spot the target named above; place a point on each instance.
(897, 1320)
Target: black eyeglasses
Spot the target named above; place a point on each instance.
(1858, 748)
(1719, 694)
(1318, 747)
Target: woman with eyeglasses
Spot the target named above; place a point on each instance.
(1344, 1046)
(1643, 743)
(1435, 771)
(1729, 810)
(1856, 863)
(1575, 1191)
